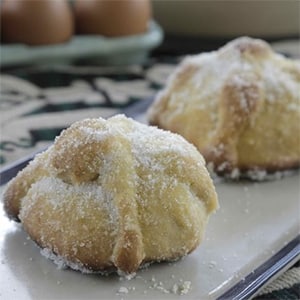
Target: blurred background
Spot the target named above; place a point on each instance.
(193, 26)
(111, 32)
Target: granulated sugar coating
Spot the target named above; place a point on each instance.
(238, 105)
(113, 195)
(171, 285)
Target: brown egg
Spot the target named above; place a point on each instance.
(112, 18)
(36, 22)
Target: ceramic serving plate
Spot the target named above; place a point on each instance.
(251, 239)
(254, 222)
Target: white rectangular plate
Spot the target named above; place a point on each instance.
(255, 221)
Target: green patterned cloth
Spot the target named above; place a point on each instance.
(287, 286)
(37, 103)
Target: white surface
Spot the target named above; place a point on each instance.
(254, 221)
(228, 18)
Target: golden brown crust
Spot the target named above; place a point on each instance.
(239, 107)
(234, 116)
(113, 195)
(24, 180)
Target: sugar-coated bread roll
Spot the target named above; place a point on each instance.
(240, 106)
(112, 195)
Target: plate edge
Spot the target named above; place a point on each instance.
(254, 281)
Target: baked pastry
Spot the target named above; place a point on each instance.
(112, 195)
(239, 106)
